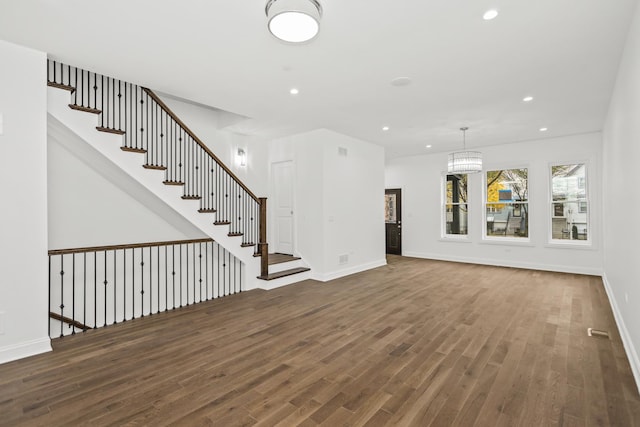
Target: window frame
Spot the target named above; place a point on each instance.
(506, 240)
(443, 210)
(582, 184)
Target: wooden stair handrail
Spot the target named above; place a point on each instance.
(126, 246)
(71, 322)
(198, 141)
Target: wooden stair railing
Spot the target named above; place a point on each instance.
(69, 321)
(94, 287)
(149, 127)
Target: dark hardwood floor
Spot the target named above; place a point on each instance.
(414, 343)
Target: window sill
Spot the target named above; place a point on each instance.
(453, 239)
(507, 241)
(585, 245)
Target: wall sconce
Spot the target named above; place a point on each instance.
(242, 157)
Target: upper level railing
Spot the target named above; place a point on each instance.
(99, 286)
(149, 127)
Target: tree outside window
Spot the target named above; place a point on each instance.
(456, 211)
(507, 203)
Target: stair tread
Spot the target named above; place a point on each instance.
(222, 223)
(85, 109)
(133, 150)
(207, 210)
(61, 86)
(284, 273)
(277, 258)
(155, 167)
(110, 130)
(173, 183)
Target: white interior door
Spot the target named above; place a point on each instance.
(282, 175)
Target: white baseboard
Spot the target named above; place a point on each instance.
(629, 348)
(24, 349)
(514, 264)
(348, 271)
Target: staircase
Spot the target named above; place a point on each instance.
(136, 128)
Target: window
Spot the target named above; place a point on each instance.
(507, 203)
(569, 204)
(455, 206)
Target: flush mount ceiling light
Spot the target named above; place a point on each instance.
(294, 21)
(464, 161)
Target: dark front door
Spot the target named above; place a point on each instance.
(393, 220)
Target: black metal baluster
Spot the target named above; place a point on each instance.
(113, 104)
(166, 279)
(105, 289)
(158, 278)
(84, 293)
(206, 269)
(115, 288)
(141, 282)
(194, 272)
(150, 282)
(95, 91)
(106, 110)
(61, 295)
(173, 274)
(73, 294)
(133, 283)
(200, 262)
(124, 284)
(181, 276)
(119, 105)
(75, 93)
(49, 308)
(187, 268)
(95, 290)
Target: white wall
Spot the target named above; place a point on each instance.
(94, 203)
(622, 197)
(420, 178)
(338, 201)
(23, 216)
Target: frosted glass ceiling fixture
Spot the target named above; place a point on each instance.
(294, 21)
(464, 161)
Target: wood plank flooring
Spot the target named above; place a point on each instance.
(414, 343)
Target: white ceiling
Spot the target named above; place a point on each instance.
(464, 71)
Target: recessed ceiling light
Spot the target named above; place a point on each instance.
(490, 14)
(527, 98)
(294, 91)
(385, 128)
(428, 146)
(543, 129)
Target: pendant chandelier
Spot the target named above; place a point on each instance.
(464, 161)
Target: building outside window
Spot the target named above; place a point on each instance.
(456, 213)
(507, 203)
(569, 202)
